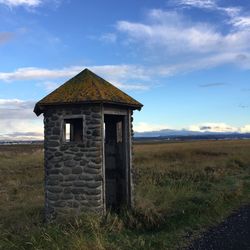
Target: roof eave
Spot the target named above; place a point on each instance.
(40, 107)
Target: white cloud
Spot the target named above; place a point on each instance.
(198, 3)
(146, 127)
(245, 129)
(235, 14)
(15, 104)
(127, 77)
(176, 35)
(119, 75)
(15, 3)
(18, 121)
(213, 127)
(32, 73)
(242, 22)
(109, 37)
(108, 71)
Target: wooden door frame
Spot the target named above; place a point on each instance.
(126, 114)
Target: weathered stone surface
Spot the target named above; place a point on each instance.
(67, 157)
(55, 178)
(54, 137)
(67, 190)
(73, 204)
(94, 203)
(98, 177)
(80, 154)
(73, 171)
(55, 189)
(58, 153)
(96, 160)
(77, 158)
(60, 204)
(80, 197)
(66, 171)
(53, 144)
(77, 170)
(98, 116)
(78, 191)
(93, 184)
(53, 197)
(92, 191)
(56, 131)
(93, 154)
(79, 184)
(67, 196)
(52, 182)
(74, 149)
(70, 178)
(66, 184)
(69, 163)
(94, 121)
(64, 147)
(58, 165)
(83, 162)
(54, 118)
(54, 171)
(94, 166)
(91, 171)
(86, 177)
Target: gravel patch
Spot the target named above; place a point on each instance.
(232, 234)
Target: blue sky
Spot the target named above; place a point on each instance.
(187, 61)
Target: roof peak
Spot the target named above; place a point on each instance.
(86, 87)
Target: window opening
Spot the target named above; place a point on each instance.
(73, 130)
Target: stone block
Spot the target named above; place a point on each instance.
(60, 204)
(66, 196)
(78, 191)
(77, 170)
(93, 184)
(66, 171)
(53, 144)
(70, 177)
(69, 163)
(55, 189)
(91, 171)
(56, 131)
(79, 184)
(53, 197)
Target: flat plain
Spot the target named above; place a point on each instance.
(182, 188)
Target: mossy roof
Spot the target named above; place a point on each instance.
(86, 87)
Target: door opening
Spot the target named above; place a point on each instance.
(115, 162)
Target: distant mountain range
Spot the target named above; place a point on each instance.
(187, 134)
(165, 134)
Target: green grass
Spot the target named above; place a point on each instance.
(181, 189)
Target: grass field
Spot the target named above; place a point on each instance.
(181, 189)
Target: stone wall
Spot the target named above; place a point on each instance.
(73, 171)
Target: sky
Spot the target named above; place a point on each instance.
(186, 61)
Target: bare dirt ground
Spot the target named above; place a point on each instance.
(232, 234)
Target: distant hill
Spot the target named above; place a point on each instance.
(166, 134)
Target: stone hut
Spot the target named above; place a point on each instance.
(88, 148)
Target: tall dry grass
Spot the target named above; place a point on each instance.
(180, 189)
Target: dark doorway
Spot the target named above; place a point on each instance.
(115, 162)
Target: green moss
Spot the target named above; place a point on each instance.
(87, 87)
